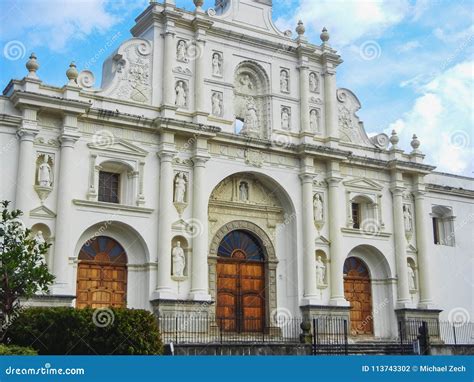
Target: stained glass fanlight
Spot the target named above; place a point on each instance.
(241, 245)
(355, 267)
(103, 249)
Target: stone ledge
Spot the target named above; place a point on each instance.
(368, 234)
(112, 206)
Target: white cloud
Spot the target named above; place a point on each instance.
(443, 119)
(57, 23)
(349, 20)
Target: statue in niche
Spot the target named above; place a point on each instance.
(181, 54)
(217, 104)
(251, 119)
(285, 119)
(180, 94)
(320, 272)
(179, 260)
(39, 238)
(284, 85)
(180, 188)
(244, 192)
(45, 173)
(318, 208)
(411, 278)
(314, 120)
(216, 65)
(246, 83)
(313, 83)
(407, 219)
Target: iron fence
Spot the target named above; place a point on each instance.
(188, 329)
(329, 335)
(457, 333)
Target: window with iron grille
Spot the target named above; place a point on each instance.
(109, 186)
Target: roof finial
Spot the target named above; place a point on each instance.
(324, 36)
(72, 74)
(300, 29)
(394, 139)
(415, 144)
(32, 65)
(198, 4)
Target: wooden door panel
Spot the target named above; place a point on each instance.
(358, 293)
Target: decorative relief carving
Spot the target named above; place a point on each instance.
(217, 104)
(315, 100)
(314, 83)
(128, 74)
(181, 70)
(254, 158)
(350, 127)
(382, 141)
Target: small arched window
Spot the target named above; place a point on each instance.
(364, 214)
(443, 225)
(114, 183)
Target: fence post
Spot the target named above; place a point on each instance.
(221, 328)
(176, 330)
(454, 334)
(315, 334)
(346, 346)
(400, 333)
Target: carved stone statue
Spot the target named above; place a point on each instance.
(179, 260)
(246, 83)
(285, 119)
(44, 173)
(407, 219)
(284, 86)
(320, 272)
(251, 119)
(216, 65)
(40, 238)
(217, 104)
(244, 192)
(318, 208)
(180, 188)
(313, 83)
(314, 120)
(411, 278)
(181, 53)
(180, 95)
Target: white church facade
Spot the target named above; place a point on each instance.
(219, 171)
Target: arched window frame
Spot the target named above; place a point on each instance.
(443, 225)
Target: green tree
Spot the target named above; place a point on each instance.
(23, 270)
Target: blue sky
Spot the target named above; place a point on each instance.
(409, 62)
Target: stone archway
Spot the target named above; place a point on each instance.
(269, 262)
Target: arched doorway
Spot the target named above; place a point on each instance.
(241, 283)
(358, 291)
(102, 274)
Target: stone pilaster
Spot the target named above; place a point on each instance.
(200, 267)
(304, 97)
(422, 235)
(164, 286)
(64, 245)
(168, 59)
(309, 231)
(403, 298)
(26, 163)
(200, 25)
(330, 102)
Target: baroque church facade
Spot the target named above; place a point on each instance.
(218, 171)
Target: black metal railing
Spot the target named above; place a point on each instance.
(457, 333)
(330, 335)
(189, 329)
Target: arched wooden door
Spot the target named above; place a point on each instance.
(102, 274)
(358, 291)
(241, 283)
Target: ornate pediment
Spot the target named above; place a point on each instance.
(118, 146)
(351, 129)
(364, 184)
(42, 212)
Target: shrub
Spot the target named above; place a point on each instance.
(87, 331)
(16, 350)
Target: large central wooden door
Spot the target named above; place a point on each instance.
(358, 291)
(102, 274)
(240, 284)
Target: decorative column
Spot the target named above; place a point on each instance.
(168, 59)
(304, 97)
(164, 285)
(200, 267)
(63, 245)
(400, 248)
(309, 230)
(330, 102)
(335, 206)
(422, 234)
(26, 163)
